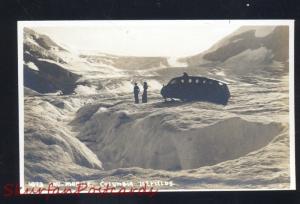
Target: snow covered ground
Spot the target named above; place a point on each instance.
(96, 133)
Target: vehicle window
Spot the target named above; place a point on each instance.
(174, 81)
(204, 81)
(197, 81)
(190, 81)
(182, 80)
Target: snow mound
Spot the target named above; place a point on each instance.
(30, 92)
(50, 142)
(31, 65)
(85, 90)
(267, 167)
(148, 140)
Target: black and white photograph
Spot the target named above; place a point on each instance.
(172, 105)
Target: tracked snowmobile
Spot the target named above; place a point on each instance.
(195, 88)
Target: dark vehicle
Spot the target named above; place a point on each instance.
(189, 88)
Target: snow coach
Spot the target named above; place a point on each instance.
(195, 88)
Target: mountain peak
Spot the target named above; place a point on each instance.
(272, 38)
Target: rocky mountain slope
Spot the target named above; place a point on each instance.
(249, 46)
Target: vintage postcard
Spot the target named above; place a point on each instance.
(147, 106)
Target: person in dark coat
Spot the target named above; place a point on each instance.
(136, 91)
(144, 96)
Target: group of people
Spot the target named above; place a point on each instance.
(136, 91)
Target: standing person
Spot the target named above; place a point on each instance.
(136, 91)
(185, 77)
(144, 96)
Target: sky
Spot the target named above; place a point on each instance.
(139, 38)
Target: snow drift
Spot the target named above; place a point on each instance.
(121, 139)
(53, 145)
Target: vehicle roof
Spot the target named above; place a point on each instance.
(199, 77)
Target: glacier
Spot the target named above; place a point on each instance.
(92, 131)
